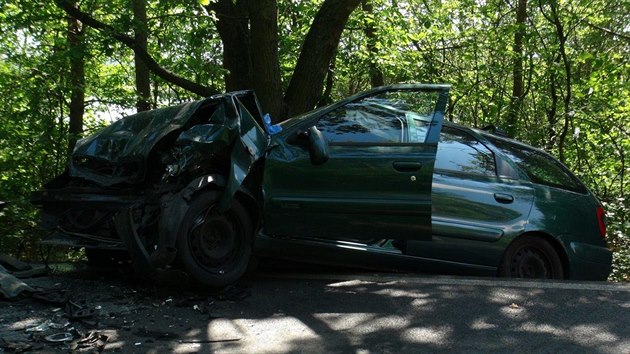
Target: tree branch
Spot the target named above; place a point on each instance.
(140, 52)
(611, 32)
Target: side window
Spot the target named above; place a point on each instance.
(539, 167)
(461, 152)
(389, 117)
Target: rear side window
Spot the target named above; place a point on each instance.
(540, 167)
(459, 151)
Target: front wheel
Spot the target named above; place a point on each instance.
(214, 246)
(531, 257)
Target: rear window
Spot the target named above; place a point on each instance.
(461, 152)
(540, 167)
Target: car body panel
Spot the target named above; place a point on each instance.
(575, 227)
(339, 200)
(465, 208)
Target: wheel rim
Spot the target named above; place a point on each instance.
(214, 240)
(531, 263)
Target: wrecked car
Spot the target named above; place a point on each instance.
(377, 180)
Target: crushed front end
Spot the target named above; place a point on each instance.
(128, 186)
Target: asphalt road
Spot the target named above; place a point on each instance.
(329, 312)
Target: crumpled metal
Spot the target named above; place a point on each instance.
(10, 286)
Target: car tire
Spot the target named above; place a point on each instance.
(215, 247)
(531, 257)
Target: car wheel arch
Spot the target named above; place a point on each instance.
(553, 242)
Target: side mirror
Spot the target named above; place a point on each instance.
(317, 146)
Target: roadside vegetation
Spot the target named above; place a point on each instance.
(554, 74)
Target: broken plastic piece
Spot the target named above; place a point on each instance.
(59, 337)
(272, 129)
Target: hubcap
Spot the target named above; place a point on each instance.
(529, 262)
(213, 241)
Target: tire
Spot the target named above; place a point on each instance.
(215, 247)
(531, 257)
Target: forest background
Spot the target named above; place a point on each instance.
(552, 73)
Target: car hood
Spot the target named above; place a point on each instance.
(120, 152)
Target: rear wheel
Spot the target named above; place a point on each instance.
(214, 246)
(531, 257)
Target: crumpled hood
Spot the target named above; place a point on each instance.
(119, 152)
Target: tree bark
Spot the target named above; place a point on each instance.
(318, 49)
(517, 69)
(233, 27)
(76, 49)
(264, 55)
(143, 81)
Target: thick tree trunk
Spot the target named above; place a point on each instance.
(517, 69)
(143, 82)
(305, 88)
(233, 27)
(76, 48)
(376, 75)
(264, 55)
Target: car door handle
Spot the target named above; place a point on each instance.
(503, 198)
(403, 166)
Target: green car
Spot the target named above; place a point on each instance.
(378, 180)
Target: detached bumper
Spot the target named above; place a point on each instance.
(589, 262)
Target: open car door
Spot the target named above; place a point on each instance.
(376, 182)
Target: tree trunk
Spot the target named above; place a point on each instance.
(264, 56)
(517, 69)
(376, 75)
(233, 27)
(318, 49)
(143, 82)
(562, 38)
(76, 49)
(554, 19)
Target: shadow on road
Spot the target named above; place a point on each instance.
(302, 311)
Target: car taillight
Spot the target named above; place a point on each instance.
(601, 215)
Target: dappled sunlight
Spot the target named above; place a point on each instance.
(437, 336)
(587, 335)
(482, 324)
(401, 293)
(349, 283)
(361, 324)
(505, 296)
(275, 334)
(344, 321)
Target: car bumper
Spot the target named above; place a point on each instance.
(588, 262)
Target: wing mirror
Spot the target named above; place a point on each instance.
(317, 146)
